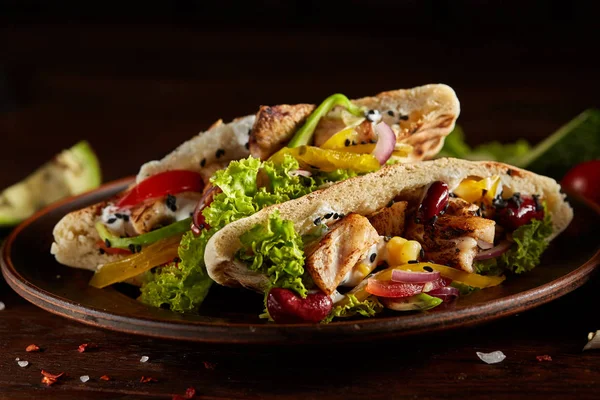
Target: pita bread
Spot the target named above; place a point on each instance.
(367, 194)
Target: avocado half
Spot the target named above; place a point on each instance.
(73, 171)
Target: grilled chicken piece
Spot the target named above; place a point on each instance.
(389, 221)
(326, 128)
(275, 126)
(452, 240)
(339, 250)
(460, 207)
(151, 215)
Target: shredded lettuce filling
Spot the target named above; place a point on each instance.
(367, 308)
(182, 286)
(524, 255)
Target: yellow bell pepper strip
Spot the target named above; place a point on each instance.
(156, 254)
(305, 133)
(474, 280)
(144, 239)
(349, 135)
(475, 191)
(328, 160)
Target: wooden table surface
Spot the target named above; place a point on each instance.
(137, 91)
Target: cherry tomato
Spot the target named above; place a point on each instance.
(401, 289)
(584, 179)
(169, 182)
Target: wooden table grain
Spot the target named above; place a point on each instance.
(137, 91)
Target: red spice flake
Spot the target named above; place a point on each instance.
(87, 347)
(148, 379)
(105, 378)
(189, 393)
(545, 357)
(209, 365)
(50, 379)
(32, 348)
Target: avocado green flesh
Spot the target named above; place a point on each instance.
(573, 143)
(71, 172)
(418, 302)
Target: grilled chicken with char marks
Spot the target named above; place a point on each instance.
(389, 221)
(154, 214)
(339, 250)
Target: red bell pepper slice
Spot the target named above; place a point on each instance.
(169, 182)
(112, 250)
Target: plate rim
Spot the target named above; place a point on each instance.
(275, 333)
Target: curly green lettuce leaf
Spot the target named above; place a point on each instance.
(369, 307)
(531, 240)
(181, 286)
(276, 250)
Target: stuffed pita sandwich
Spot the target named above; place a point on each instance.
(406, 237)
(154, 233)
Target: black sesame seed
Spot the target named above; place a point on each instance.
(342, 216)
(354, 143)
(391, 203)
(101, 251)
(390, 113)
(249, 131)
(327, 216)
(171, 202)
(536, 199)
(478, 212)
(107, 243)
(118, 215)
(434, 219)
(371, 112)
(451, 194)
(483, 192)
(422, 253)
(138, 248)
(387, 238)
(247, 145)
(373, 256)
(125, 217)
(111, 220)
(219, 153)
(131, 248)
(363, 142)
(176, 260)
(403, 117)
(336, 216)
(203, 162)
(347, 142)
(428, 268)
(317, 221)
(509, 172)
(373, 141)
(413, 261)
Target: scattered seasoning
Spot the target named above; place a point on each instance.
(84, 378)
(391, 203)
(101, 251)
(403, 117)
(177, 260)
(148, 379)
(119, 215)
(125, 217)
(131, 248)
(499, 202)
(32, 348)
(483, 192)
(390, 113)
(373, 256)
(428, 268)
(354, 143)
(209, 365)
(373, 141)
(203, 162)
(341, 216)
(347, 142)
(2, 306)
(105, 378)
(144, 359)
(138, 248)
(336, 216)
(491, 358)
(247, 145)
(87, 347)
(509, 172)
(111, 220)
(220, 153)
(434, 219)
(545, 357)
(327, 216)
(387, 238)
(50, 379)
(107, 243)
(23, 364)
(317, 221)
(171, 202)
(478, 212)
(422, 253)
(413, 261)
(536, 200)
(363, 142)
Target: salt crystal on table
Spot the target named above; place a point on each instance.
(491, 358)
(84, 378)
(23, 364)
(2, 306)
(144, 358)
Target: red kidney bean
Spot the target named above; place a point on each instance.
(210, 191)
(285, 306)
(518, 211)
(434, 202)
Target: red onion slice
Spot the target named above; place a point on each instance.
(494, 252)
(386, 141)
(446, 293)
(484, 245)
(414, 277)
(204, 202)
(300, 172)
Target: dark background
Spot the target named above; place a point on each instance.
(136, 79)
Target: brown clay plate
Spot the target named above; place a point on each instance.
(231, 316)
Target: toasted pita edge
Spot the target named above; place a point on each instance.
(365, 195)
